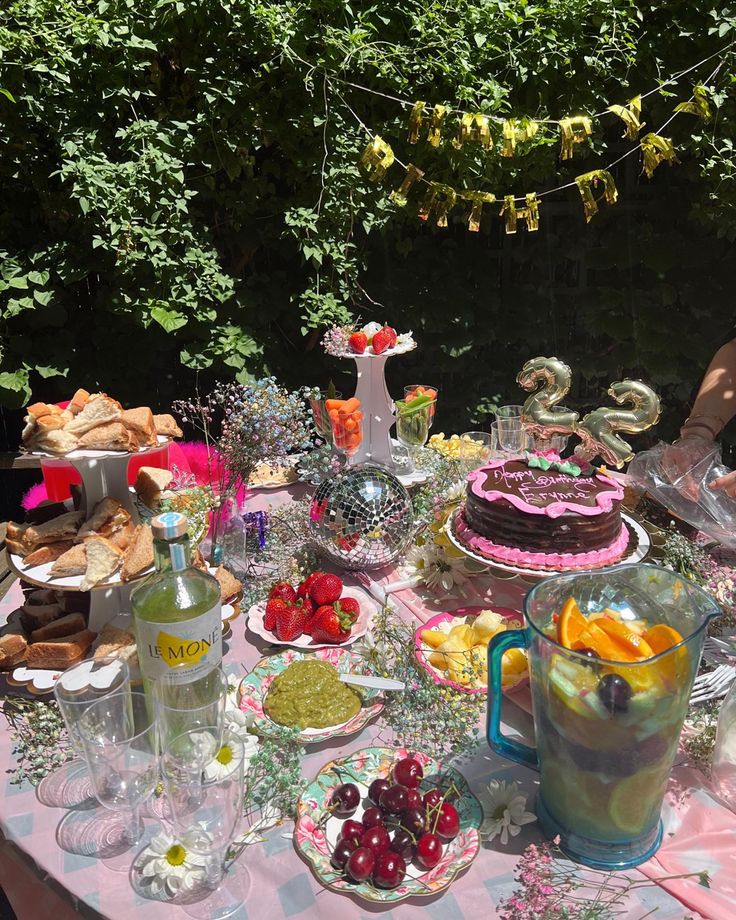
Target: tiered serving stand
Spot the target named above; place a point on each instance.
(104, 474)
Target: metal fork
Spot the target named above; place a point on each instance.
(719, 651)
(712, 685)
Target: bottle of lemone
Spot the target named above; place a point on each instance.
(176, 610)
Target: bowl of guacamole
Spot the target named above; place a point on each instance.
(310, 694)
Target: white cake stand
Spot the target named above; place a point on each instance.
(378, 413)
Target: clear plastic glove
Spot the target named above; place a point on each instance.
(689, 480)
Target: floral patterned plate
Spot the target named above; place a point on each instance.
(315, 837)
(254, 688)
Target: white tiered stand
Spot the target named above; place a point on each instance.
(378, 413)
(104, 474)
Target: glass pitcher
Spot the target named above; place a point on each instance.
(606, 728)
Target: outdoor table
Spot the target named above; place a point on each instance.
(42, 879)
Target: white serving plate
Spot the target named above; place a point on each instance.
(368, 607)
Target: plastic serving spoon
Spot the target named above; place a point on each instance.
(368, 680)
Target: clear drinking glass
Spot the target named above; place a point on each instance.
(508, 412)
(347, 434)
(119, 744)
(513, 439)
(476, 448)
(412, 427)
(180, 706)
(557, 443)
(423, 389)
(206, 798)
(320, 416)
(87, 683)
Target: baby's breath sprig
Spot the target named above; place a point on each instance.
(426, 716)
(700, 737)
(40, 740)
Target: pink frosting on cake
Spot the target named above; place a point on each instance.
(604, 500)
(515, 556)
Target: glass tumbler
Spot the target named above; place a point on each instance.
(87, 683)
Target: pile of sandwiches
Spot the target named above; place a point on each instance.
(94, 422)
(97, 548)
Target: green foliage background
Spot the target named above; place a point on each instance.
(178, 192)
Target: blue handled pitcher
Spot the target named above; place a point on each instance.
(606, 729)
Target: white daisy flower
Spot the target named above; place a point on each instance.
(455, 493)
(504, 808)
(169, 867)
(222, 764)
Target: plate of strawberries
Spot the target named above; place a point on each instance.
(375, 339)
(317, 613)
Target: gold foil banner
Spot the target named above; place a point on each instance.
(477, 200)
(514, 132)
(591, 180)
(698, 105)
(655, 150)
(529, 212)
(439, 200)
(474, 128)
(399, 195)
(376, 159)
(631, 117)
(416, 121)
(435, 125)
(574, 130)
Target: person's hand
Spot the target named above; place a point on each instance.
(726, 484)
(678, 461)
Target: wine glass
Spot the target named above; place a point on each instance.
(422, 389)
(206, 801)
(320, 416)
(475, 449)
(119, 743)
(412, 426)
(347, 433)
(181, 703)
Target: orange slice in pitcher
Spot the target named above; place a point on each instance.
(634, 798)
(661, 637)
(672, 667)
(595, 638)
(571, 623)
(636, 646)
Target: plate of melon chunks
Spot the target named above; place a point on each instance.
(453, 648)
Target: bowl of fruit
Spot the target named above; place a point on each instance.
(317, 613)
(453, 648)
(385, 824)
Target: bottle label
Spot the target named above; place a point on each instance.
(196, 643)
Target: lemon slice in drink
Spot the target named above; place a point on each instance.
(632, 798)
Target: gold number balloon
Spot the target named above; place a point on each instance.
(598, 428)
(539, 414)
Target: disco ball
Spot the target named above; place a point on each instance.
(362, 518)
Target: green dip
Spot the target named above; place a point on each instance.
(309, 694)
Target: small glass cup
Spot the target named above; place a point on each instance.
(476, 448)
(87, 683)
(512, 440)
(119, 744)
(347, 434)
(508, 412)
(422, 389)
(320, 416)
(557, 443)
(181, 704)
(412, 428)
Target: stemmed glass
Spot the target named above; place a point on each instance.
(412, 425)
(347, 433)
(320, 416)
(422, 389)
(119, 744)
(181, 703)
(206, 801)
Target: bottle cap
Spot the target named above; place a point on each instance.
(169, 526)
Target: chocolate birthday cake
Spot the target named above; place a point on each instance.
(543, 513)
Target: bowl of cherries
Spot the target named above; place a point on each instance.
(386, 824)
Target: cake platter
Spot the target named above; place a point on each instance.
(646, 544)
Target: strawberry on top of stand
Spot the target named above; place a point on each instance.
(315, 608)
(374, 336)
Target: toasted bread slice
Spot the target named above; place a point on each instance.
(108, 516)
(150, 483)
(116, 643)
(140, 421)
(122, 538)
(103, 558)
(166, 425)
(60, 653)
(78, 401)
(229, 585)
(98, 410)
(55, 441)
(40, 597)
(13, 646)
(73, 562)
(48, 553)
(58, 529)
(64, 626)
(16, 547)
(45, 512)
(139, 555)
(34, 617)
(109, 436)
